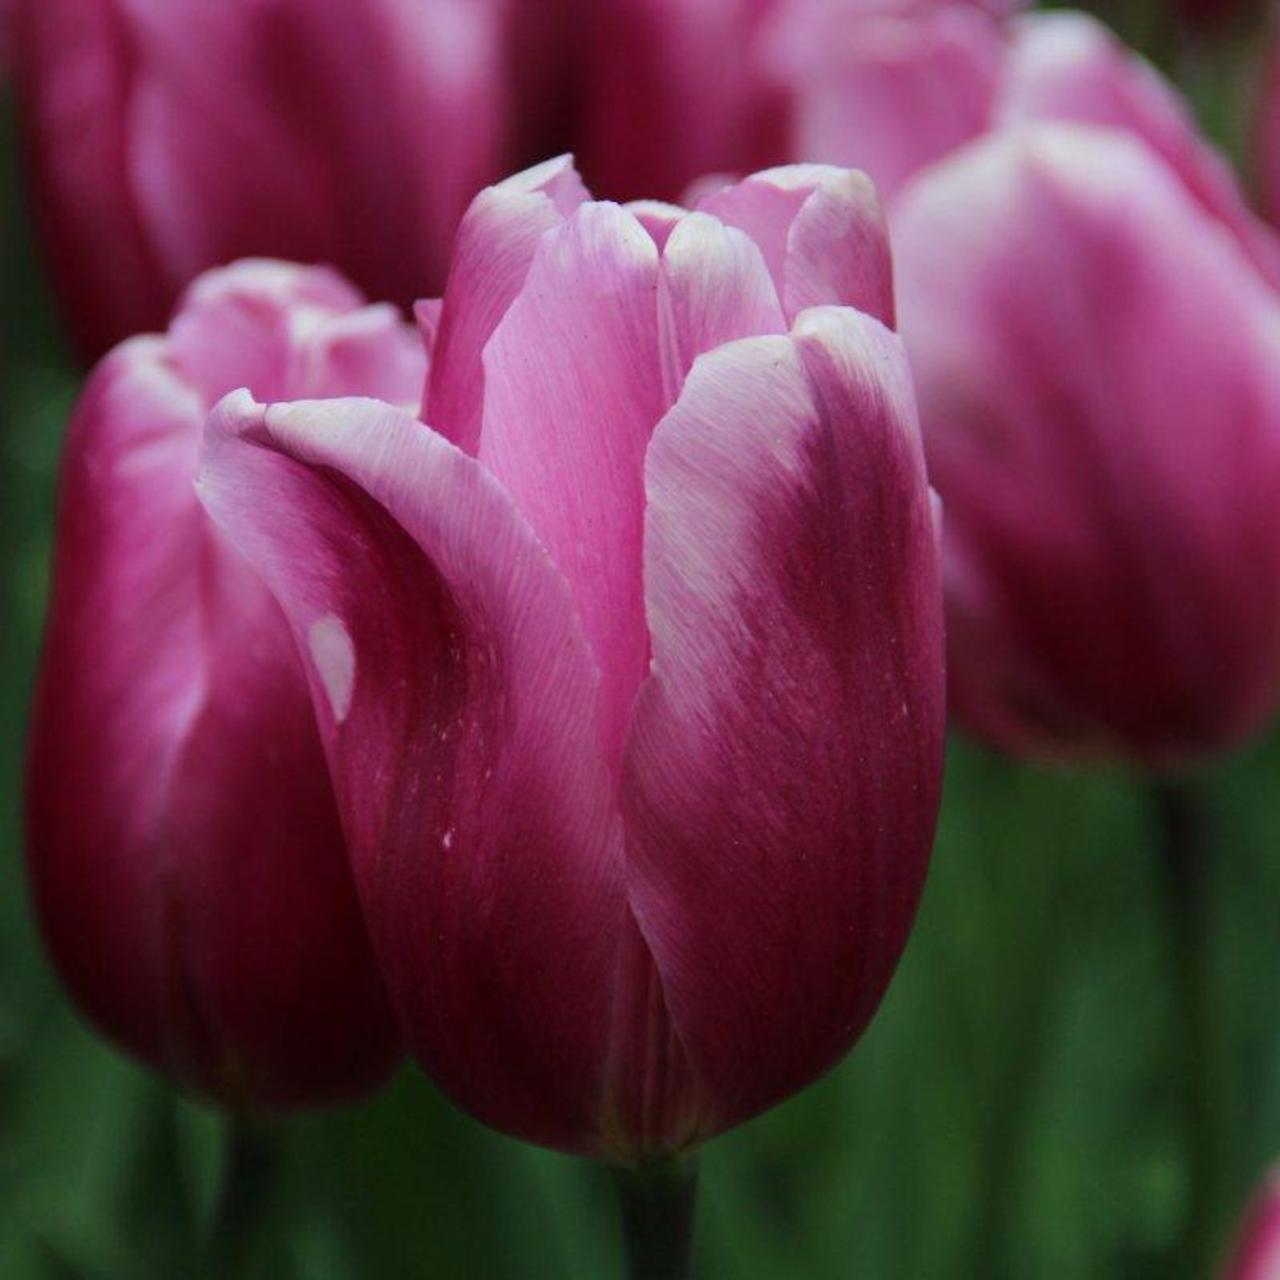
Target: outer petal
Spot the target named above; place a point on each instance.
(184, 846)
(783, 771)
(1256, 1255)
(1084, 448)
(821, 232)
(457, 699)
(888, 89)
(494, 248)
(573, 389)
(1069, 67)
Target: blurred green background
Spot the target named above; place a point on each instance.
(1014, 1110)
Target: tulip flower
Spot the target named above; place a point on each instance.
(169, 136)
(1099, 381)
(628, 660)
(185, 851)
(894, 88)
(1256, 1254)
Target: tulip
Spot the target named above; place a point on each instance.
(169, 136)
(628, 661)
(890, 87)
(185, 851)
(1256, 1254)
(1098, 365)
(894, 88)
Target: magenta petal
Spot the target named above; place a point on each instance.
(457, 698)
(1069, 67)
(491, 256)
(715, 289)
(573, 389)
(822, 234)
(782, 776)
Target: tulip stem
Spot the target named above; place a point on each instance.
(658, 1203)
(251, 1160)
(1184, 824)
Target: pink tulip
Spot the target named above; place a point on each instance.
(1098, 366)
(894, 86)
(186, 857)
(168, 136)
(628, 664)
(888, 85)
(1256, 1255)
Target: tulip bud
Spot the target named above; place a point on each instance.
(1256, 1254)
(1098, 366)
(633, 695)
(185, 850)
(169, 136)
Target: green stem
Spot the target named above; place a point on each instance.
(1185, 847)
(250, 1171)
(658, 1203)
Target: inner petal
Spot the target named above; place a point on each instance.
(573, 388)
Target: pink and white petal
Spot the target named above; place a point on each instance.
(1068, 67)
(838, 249)
(715, 288)
(822, 234)
(573, 389)
(493, 250)
(782, 776)
(457, 699)
(657, 217)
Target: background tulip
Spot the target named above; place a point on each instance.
(185, 853)
(1256, 1255)
(168, 136)
(633, 696)
(1097, 367)
(673, 90)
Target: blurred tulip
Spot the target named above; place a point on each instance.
(1256, 1255)
(185, 852)
(168, 136)
(888, 85)
(633, 692)
(892, 88)
(672, 91)
(1098, 366)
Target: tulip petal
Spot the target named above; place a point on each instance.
(567, 436)
(715, 288)
(782, 775)
(492, 253)
(1068, 67)
(822, 234)
(456, 696)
